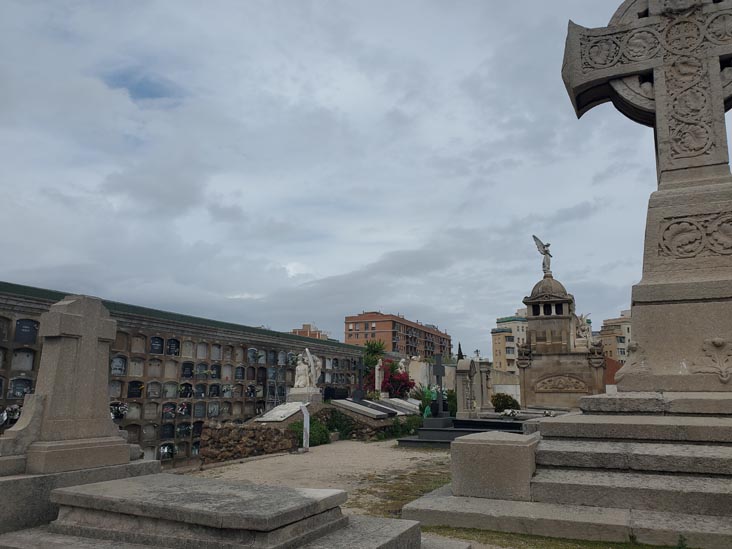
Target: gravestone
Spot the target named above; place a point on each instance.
(65, 435)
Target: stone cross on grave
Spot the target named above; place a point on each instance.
(66, 424)
(665, 64)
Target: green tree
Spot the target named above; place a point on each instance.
(373, 351)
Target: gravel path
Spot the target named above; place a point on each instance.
(344, 465)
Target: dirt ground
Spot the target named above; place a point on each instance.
(378, 476)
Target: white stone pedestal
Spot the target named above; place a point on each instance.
(305, 394)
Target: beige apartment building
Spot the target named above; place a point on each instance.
(509, 333)
(310, 330)
(615, 335)
(400, 336)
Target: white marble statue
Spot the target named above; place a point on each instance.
(378, 376)
(403, 365)
(302, 373)
(546, 264)
(315, 367)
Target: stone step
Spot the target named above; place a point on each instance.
(416, 442)
(636, 456)
(719, 404)
(638, 427)
(361, 532)
(371, 533)
(449, 434)
(441, 508)
(693, 494)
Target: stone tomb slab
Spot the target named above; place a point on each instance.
(357, 408)
(178, 511)
(281, 412)
(375, 405)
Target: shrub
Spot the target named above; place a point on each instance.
(502, 401)
(401, 428)
(340, 422)
(319, 433)
(452, 402)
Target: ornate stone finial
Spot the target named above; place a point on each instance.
(546, 264)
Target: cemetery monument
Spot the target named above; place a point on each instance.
(652, 463)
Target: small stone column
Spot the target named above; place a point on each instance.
(66, 424)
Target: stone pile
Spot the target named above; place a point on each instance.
(228, 441)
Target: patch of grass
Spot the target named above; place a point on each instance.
(385, 494)
(523, 541)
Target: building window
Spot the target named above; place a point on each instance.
(559, 307)
(620, 339)
(509, 339)
(547, 309)
(535, 310)
(350, 326)
(621, 352)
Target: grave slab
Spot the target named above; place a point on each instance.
(281, 412)
(357, 408)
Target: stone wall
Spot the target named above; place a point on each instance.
(229, 441)
(226, 441)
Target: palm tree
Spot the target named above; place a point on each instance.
(373, 351)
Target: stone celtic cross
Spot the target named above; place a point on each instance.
(663, 63)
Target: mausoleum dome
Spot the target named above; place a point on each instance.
(548, 288)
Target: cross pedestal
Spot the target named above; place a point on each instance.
(66, 424)
(664, 63)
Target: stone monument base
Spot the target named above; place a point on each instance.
(165, 511)
(26, 498)
(305, 394)
(45, 457)
(649, 467)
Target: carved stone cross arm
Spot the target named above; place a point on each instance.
(660, 63)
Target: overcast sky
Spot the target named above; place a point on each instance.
(279, 162)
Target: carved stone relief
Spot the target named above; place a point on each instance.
(717, 361)
(692, 236)
(561, 384)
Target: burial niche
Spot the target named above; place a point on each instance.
(197, 429)
(149, 432)
(216, 352)
(252, 355)
(200, 390)
(199, 409)
(133, 433)
(227, 372)
(202, 350)
(213, 409)
(171, 369)
(138, 344)
(167, 450)
(185, 409)
(238, 372)
(121, 341)
(137, 366)
(154, 368)
(134, 389)
(151, 410)
(154, 389)
(170, 390)
(157, 345)
(118, 366)
(23, 360)
(187, 349)
(169, 409)
(201, 371)
(19, 387)
(226, 390)
(26, 331)
(134, 410)
(3, 358)
(183, 430)
(216, 371)
(239, 355)
(214, 390)
(115, 389)
(173, 347)
(228, 351)
(186, 390)
(186, 370)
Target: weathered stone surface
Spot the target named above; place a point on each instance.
(441, 508)
(512, 464)
(660, 428)
(636, 456)
(357, 408)
(228, 505)
(656, 528)
(26, 498)
(657, 492)
(371, 533)
(280, 413)
(305, 395)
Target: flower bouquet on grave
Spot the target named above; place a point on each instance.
(118, 410)
(184, 409)
(510, 412)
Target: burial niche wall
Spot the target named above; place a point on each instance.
(154, 368)
(26, 331)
